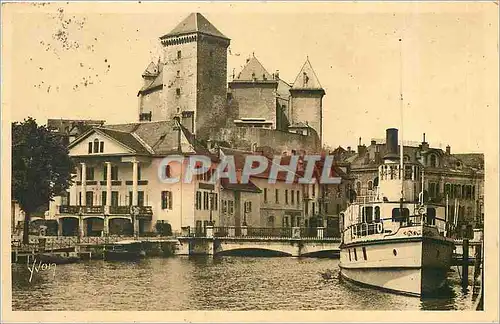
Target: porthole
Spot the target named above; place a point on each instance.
(394, 252)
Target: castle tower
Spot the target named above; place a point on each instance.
(195, 74)
(253, 93)
(306, 102)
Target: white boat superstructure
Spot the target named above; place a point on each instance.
(396, 241)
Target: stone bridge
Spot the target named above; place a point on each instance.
(244, 245)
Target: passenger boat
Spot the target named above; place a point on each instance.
(391, 238)
(124, 250)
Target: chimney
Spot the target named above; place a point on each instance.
(348, 149)
(448, 149)
(277, 74)
(391, 144)
(425, 145)
(373, 142)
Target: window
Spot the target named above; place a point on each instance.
(211, 53)
(292, 196)
(313, 208)
(408, 172)
(96, 146)
(101, 147)
(377, 214)
(179, 54)
(205, 200)
(166, 200)
(248, 206)
(178, 91)
(349, 254)
(104, 198)
(355, 255)
(370, 185)
(447, 190)
(90, 147)
(214, 201)
(364, 253)
(358, 188)
(431, 216)
(65, 199)
(89, 173)
(367, 214)
(276, 194)
(286, 221)
(398, 216)
(139, 172)
(298, 197)
(433, 161)
(286, 197)
(265, 195)
(230, 207)
(114, 198)
(432, 190)
(337, 208)
(114, 172)
(80, 198)
(89, 196)
(314, 190)
(178, 73)
(198, 200)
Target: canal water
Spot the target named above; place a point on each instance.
(207, 283)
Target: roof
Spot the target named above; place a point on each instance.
(195, 23)
(474, 160)
(156, 83)
(248, 187)
(151, 70)
(307, 79)
(158, 137)
(254, 71)
(299, 125)
(126, 139)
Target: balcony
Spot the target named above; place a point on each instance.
(141, 211)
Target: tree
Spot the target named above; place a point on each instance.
(41, 167)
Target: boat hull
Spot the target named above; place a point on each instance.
(414, 266)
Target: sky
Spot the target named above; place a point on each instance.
(72, 60)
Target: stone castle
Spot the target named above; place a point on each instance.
(255, 111)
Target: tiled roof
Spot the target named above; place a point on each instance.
(248, 187)
(126, 139)
(474, 160)
(306, 79)
(254, 70)
(195, 23)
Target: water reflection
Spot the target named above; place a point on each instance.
(208, 283)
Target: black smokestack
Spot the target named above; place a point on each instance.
(391, 144)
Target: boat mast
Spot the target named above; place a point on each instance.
(401, 156)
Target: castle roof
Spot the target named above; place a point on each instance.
(156, 83)
(151, 70)
(195, 23)
(254, 71)
(306, 79)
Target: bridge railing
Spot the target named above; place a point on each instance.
(275, 232)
